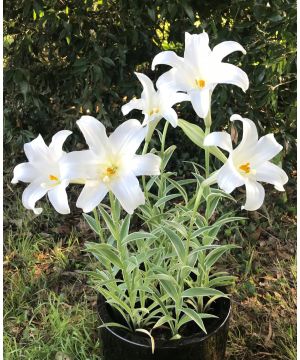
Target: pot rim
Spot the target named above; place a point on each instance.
(165, 344)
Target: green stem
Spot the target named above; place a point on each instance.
(121, 248)
(98, 225)
(196, 205)
(207, 153)
(143, 177)
(163, 139)
(207, 122)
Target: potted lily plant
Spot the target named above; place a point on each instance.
(161, 295)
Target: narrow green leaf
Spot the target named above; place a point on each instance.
(106, 251)
(201, 291)
(167, 155)
(113, 324)
(138, 236)
(92, 223)
(196, 135)
(151, 338)
(175, 184)
(170, 289)
(176, 242)
(125, 227)
(215, 254)
(162, 320)
(108, 220)
(165, 199)
(195, 317)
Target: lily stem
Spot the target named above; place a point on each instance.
(120, 247)
(143, 177)
(207, 153)
(196, 205)
(163, 139)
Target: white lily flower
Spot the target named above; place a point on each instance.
(200, 70)
(248, 163)
(43, 172)
(110, 164)
(155, 105)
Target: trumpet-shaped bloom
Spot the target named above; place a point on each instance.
(248, 163)
(200, 70)
(43, 172)
(110, 164)
(155, 105)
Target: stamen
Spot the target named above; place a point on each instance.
(200, 83)
(154, 111)
(53, 177)
(111, 170)
(108, 173)
(245, 168)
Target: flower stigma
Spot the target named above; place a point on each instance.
(246, 168)
(53, 177)
(108, 173)
(200, 83)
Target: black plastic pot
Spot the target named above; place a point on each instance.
(118, 344)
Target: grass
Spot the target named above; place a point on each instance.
(50, 311)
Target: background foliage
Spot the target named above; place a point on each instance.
(67, 58)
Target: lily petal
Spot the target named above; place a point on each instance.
(25, 172)
(94, 133)
(59, 199)
(255, 194)
(171, 116)
(178, 97)
(32, 194)
(127, 190)
(127, 137)
(250, 137)
(266, 148)
(229, 178)
(91, 196)
(148, 164)
(272, 174)
(167, 58)
(37, 151)
(196, 48)
(133, 104)
(219, 138)
(57, 143)
(229, 74)
(174, 80)
(148, 87)
(201, 101)
(225, 48)
(78, 165)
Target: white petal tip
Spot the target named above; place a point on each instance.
(235, 117)
(123, 110)
(37, 211)
(279, 187)
(14, 181)
(86, 210)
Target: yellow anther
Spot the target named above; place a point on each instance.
(52, 177)
(111, 171)
(245, 168)
(154, 111)
(200, 83)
